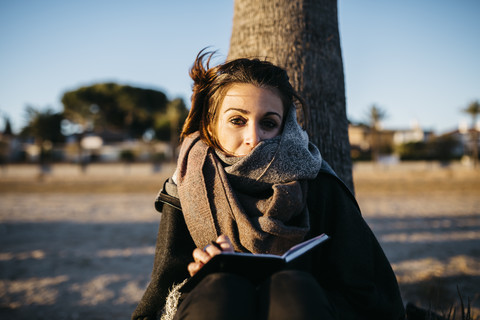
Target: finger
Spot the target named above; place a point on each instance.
(194, 267)
(201, 256)
(212, 250)
(225, 243)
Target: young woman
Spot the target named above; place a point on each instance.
(248, 178)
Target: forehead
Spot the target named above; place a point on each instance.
(239, 87)
(250, 94)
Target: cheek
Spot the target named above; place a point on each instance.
(275, 133)
(227, 137)
(269, 134)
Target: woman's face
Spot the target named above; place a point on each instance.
(247, 115)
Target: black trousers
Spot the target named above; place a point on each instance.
(287, 294)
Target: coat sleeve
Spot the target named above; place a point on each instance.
(173, 252)
(352, 266)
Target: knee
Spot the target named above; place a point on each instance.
(295, 294)
(219, 296)
(297, 283)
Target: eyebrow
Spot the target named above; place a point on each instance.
(248, 112)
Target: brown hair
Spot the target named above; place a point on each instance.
(211, 84)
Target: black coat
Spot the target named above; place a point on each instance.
(350, 266)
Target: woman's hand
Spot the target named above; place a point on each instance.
(201, 257)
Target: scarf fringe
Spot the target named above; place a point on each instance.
(171, 303)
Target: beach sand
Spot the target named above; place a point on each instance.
(79, 245)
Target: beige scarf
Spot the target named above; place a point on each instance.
(258, 201)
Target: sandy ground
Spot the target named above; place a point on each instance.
(80, 246)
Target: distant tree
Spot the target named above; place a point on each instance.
(176, 113)
(412, 151)
(45, 127)
(302, 36)
(473, 109)
(4, 141)
(115, 107)
(7, 130)
(442, 148)
(375, 115)
(168, 123)
(127, 156)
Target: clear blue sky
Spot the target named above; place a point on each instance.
(418, 60)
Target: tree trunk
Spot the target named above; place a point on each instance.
(302, 36)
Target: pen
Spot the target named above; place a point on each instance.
(216, 245)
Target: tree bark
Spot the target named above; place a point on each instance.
(302, 37)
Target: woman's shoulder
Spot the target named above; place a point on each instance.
(168, 195)
(327, 183)
(327, 176)
(325, 168)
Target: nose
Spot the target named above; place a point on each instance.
(253, 136)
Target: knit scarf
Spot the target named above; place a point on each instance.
(258, 200)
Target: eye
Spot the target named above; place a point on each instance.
(269, 124)
(237, 121)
